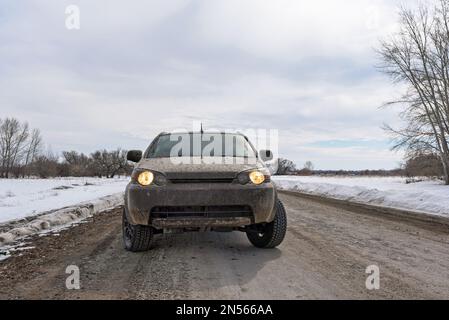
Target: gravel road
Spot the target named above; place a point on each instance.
(324, 256)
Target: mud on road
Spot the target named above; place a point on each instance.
(324, 256)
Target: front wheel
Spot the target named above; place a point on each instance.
(270, 235)
(137, 238)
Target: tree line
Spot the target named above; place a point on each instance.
(22, 155)
(428, 165)
(288, 167)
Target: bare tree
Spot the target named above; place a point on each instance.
(309, 166)
(45, 165)
(307, 170)
(424, 165)
(418, 55)
(33, 150)
(286, 167)
(78, 163)
(109, 163)
(13, 140)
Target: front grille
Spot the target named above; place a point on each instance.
(212, 180)
(201, 211)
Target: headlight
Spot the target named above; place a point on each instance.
(145, 178)
(257, 177)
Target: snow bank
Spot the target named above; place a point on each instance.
(61, 218)
(428, 196)
(22, 198)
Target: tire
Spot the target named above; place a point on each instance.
(270, 235)
(136, 238)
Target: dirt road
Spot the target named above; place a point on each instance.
(324, 256)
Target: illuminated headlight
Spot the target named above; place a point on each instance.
(145, 178)
(257, 177)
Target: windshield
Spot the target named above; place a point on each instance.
(197, 144)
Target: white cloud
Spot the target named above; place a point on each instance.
(302, 67)
(292, 29)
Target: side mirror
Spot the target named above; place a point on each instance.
(134, 155)
(266, 155)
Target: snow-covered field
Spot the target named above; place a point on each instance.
(427, 196)
(21, 198)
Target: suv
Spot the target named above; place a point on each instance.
(196, 181)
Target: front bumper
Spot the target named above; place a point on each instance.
(140, 202)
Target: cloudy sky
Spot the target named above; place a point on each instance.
(135, 68)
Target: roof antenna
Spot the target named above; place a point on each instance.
(201, 141)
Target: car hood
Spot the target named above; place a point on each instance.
(197, 168)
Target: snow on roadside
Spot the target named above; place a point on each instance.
(61, 218)
(427, 196)
(4, 256)
(21, 198)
